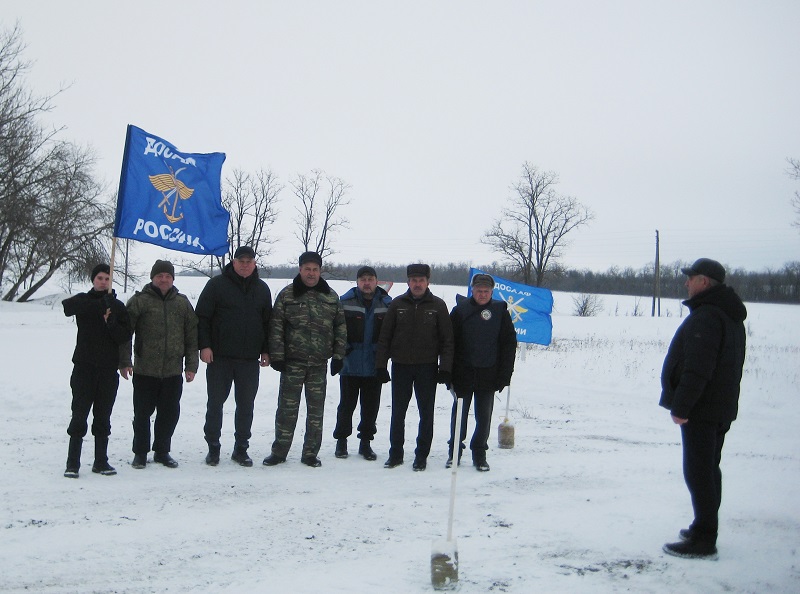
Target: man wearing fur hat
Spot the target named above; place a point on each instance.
(306, 330)
(165, 346)
(418, 337)
(234, 310)
(103, 326)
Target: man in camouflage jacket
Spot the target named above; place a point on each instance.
(306, 329)
(165, 326)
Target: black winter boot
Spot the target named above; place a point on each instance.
(73, 457)
(212, 458)
(101, 465)
(240, 456)
(341, 448)
(366, 450)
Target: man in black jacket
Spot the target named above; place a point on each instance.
(233, 314)
(102, 327)
(485, 349)
(418, 336)
(700, 387)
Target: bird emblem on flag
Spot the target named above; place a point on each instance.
(173, 189)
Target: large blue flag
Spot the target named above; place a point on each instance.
(170, 198)
(530, 308)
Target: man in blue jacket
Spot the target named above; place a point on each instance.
(700, 387)
(365, 307)
(233, 312)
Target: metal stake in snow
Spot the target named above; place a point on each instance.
(505, 432)
(444, 553)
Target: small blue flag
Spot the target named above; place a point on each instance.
(169, 198)
(530, 308)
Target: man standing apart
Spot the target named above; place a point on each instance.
(307, 328)
(166, 345)
(700, 387)
(103, 326)
(234, 309)
(485, 349)
(418, 336)
(365, 307)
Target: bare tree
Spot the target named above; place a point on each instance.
(532, 231)
(321, 196)
(587, 305)
(794, 173)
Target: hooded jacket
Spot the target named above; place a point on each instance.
(703, 367)
(165, 330)
(363, 328)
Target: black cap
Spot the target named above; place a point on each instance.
(366, 271)
(100, 268)
(483, 280)
(162, 266)
(306, 257)
(707, 267)
(244, 251)
(418, 270)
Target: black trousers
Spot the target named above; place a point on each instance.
(159, 395)
(369, 389)
(484, 405)
(243, 375)
(93, 388)
(702, 452)
(421, 380)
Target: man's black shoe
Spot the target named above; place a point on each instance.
(139, 460)
(449, 463)
(241, 458)
(165, 459)
(311, 461)
(419, 464)
(691, 549)
(685, 534)
(366, 451)
(71, 472)
(212, 458)
(104, 468)
(392, 463)
(273, 460)
(481, 466)
(341, 448)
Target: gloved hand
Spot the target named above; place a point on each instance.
(500, 386)
(383, 375)
(444, 377)
(108, 301)
(279, 366)
(336, 366)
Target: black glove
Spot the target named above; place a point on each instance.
(108, 301)
(336, 366)
(279, 366)
(444, 377)
(383, 375)
(500, 386)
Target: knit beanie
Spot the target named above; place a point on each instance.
(162, 266)
(100, 268)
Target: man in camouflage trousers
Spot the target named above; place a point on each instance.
(306, 329)
(166, 345)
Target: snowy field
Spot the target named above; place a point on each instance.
(582, 503)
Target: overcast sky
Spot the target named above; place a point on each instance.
(677, 116)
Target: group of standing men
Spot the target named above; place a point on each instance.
(156, 338)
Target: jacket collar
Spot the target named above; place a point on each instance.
(299, 288)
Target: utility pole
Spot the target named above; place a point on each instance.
(656, 283)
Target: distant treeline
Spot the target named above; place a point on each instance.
(769, 286)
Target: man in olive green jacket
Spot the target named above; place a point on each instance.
(306, 329)
(165, 326)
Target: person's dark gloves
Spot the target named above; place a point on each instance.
(336, 366)
(383, 375)
(444, 377)
(108, 301)
(279, 366)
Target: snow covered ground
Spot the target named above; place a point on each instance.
(582, 503)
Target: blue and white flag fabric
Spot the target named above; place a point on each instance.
(530, 308)
(170, 198)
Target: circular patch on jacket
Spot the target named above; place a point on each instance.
(486, 314)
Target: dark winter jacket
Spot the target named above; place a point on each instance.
(234, 314)
(165, 329)
(703, 367)
(307, 324)
(99, 340)
(363, 329)
(416, 331)
(485, 345)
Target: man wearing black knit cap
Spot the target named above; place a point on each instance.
(700, 387)
(417, 335)
(103, 326)
(234, 310)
